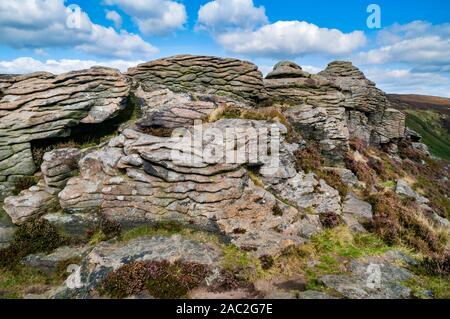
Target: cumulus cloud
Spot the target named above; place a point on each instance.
(418, 43)
(114, 17)
(405, 81)
(153, 17)
(45, 24)
(28, 65)
(225, 15)
(291, 38)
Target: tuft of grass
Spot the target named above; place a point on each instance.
(104, 229)
(241, 263)
(253, 175)
(422, 284)
(389, 184)
(15, 283)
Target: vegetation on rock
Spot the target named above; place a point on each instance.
(162, 280)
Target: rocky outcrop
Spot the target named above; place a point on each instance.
(315, 106)
(42, 105)
(208, 75)
(370, 116)
(138, 177)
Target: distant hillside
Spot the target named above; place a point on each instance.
(429, 116)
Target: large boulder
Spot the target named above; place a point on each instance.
(315, 106)
(369, 112)
(42, 105)
(209, 75)
(375, 277)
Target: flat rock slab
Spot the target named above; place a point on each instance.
(49, 263)
(109, 256)
(372, 278)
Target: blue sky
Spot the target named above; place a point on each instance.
(410, 53)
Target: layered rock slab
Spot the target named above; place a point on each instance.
(42, 105)
(209, 75)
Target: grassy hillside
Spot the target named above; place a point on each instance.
(430, 117)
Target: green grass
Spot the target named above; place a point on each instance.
(14, 284)
(434, 135)
(389, 184)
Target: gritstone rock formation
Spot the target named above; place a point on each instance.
(41, 105)
(134, 178)
(178, 158)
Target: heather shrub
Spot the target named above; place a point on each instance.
(400, 221)
(161, 279)
(33, 236)
(330, 220)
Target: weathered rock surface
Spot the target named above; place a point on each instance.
(371, 278)
(315, 106)
(57, 167)
(42, 105)
(50, 263)
(135, 178)
(6, 235)
(30, 203)
(404, 189)
(370, 116)
(311, 294)
(208, 75)
(361, 210)
(169, 110)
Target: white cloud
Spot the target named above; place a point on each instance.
(44, 24)
(226, 15)
(419, 43)
(28, 65)
(291, 38)
(114, 17)
(154, 17)
(404, 81)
